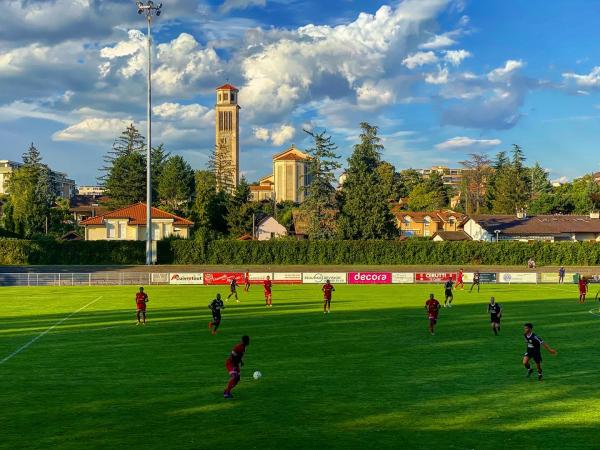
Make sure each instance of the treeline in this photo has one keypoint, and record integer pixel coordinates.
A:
(293, 252)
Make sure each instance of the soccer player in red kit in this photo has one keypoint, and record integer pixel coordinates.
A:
(327, 290)
(459, 280)
(267, 284)
(141, 298)
(583, 288)
(247, 281)
(234, 364)
(432, 306)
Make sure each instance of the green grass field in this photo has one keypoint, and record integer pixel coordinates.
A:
(367, 376)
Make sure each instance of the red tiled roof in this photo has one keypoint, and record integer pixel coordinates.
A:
(291, 154)
(136, 215)
(227, 87)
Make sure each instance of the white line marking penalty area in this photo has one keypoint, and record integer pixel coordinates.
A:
(43, 333)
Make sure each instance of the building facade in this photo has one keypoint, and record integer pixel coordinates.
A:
(93, 191)
(62, 185)
(129, 224)
(269, 228)
(227, 128)
(427, 224)
(450, 176)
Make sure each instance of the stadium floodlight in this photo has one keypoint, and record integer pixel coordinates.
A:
(149, 10)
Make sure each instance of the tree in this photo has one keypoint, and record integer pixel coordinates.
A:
(158, 159)
(319, 205)
(176, 185)
(366, 209)
(129, 141)
(241, 210)
(474, 182)
(391, 181)
(409, 179)
(125, 182)
(220, 164)
(540, 183)
(210, 205)
(31, 194)
(421, 198)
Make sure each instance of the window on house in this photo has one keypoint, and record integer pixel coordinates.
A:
(110, 230)
(427, 221)
(225, 96)
(232, 97)
(122, 230)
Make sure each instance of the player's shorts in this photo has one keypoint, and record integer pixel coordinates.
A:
(233, 289)
(582, 292)
(433, 319)
(233, 370)
(495, 320)
(267, 293)
(216, 317)
(449, 293)
(141, 308)
(327, 300)
(536, 356)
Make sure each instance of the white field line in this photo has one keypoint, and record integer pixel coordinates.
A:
(24, 346)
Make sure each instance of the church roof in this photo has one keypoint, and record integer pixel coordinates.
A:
(291, 154)
(227, 87)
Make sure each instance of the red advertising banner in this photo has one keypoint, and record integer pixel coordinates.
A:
(434, 277)
(369, 278)
(223, 278)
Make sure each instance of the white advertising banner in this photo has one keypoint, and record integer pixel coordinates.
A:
(403, 278)
(518, 278)
(287, 277)
(160, 277)
(260, 276)
(320, 278)
(186, 278)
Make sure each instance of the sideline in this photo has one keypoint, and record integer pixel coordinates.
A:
(23, 347)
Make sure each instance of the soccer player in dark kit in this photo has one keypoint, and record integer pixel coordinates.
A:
(448, 286)
(432, 306)
(534, 350)
(495, 311)
(215, 307)
(476, 278)
(233, 289)
(234, 364)
(141, 298)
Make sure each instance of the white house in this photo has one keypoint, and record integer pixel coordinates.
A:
(269, 228)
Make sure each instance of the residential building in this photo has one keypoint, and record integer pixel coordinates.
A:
(427, 224)
(269, 228)
(451, 236)
(227, 127)
(91, 190)
(85, 206)
(62, 186)
(521, 227)
(129, 223)
(263, 191)
(450, 176)
(289, 180)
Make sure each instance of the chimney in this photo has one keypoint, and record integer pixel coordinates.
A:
(595, 215)
(521, 214)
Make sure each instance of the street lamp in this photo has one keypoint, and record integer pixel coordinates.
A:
(149, 10)
(497, 233)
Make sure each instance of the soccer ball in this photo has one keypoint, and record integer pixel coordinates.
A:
(257, 375)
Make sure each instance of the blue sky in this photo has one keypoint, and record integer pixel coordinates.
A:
(441, 78)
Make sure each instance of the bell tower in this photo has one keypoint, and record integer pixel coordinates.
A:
(227, 131)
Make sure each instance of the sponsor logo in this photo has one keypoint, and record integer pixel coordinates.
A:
(186, 278)
(435, 277)
(403, 278)
(369, 278)
(319, 277)
(223, 278)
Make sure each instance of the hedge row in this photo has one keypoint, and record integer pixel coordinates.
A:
(380, 252)
(23, 252)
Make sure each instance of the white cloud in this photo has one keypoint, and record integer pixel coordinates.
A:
(282, 135)
(590, 80)
(440, 77)
(20, 109)
(419, 59)
(438, 41)
(374, 95)
(262, 134)
(504, 73)
(455, 57)
(185, 115)
(92, 130)
(462, 142)
(229, 5)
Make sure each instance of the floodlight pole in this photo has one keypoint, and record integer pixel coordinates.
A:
(149, 10)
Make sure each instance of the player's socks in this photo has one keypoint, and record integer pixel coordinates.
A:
(529, 372)
(540, 376)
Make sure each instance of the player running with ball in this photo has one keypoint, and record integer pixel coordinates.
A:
(534, 350)
(234, 364)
